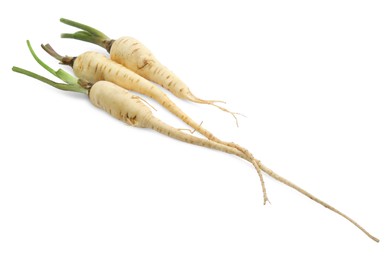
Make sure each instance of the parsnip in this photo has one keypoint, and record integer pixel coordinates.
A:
(129, 108)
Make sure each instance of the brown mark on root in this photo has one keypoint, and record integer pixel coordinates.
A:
(145, 63)
(132, 120)
(135, 50)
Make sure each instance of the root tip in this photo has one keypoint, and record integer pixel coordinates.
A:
(266, 201)
(375, 239)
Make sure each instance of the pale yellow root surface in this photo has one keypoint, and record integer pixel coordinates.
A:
(135, 56)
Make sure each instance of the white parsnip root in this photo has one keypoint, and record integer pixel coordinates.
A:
(132, 54)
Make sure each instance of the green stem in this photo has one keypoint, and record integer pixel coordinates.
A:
(61, 74)
(84, 27)
(89, 34)
(40, 62)
(62, 86)
(85, 37)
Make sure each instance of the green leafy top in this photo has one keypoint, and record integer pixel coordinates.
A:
(88, 34)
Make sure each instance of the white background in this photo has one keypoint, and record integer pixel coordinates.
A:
(313, 79)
